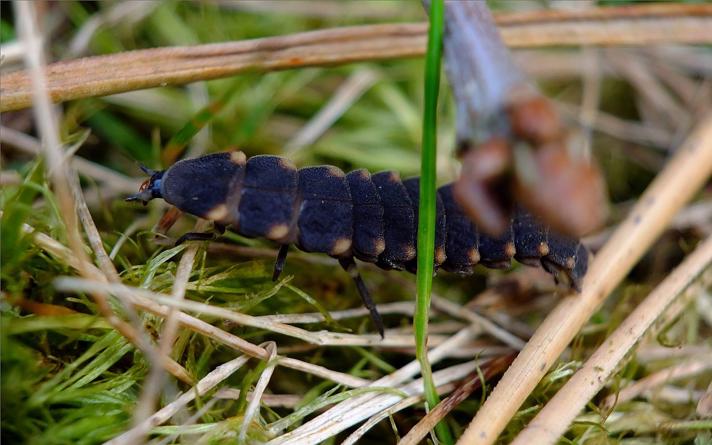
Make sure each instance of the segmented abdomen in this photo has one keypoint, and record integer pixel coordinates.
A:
(371, 217)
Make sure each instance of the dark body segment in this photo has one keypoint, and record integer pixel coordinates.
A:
(269, 200)
(368, 227)
(577, 274)
(399, 221)
(497, 252)
(530, 238)
(203, 186)
(562, 257)
(412, 185)
(462, 240)
(325, 222)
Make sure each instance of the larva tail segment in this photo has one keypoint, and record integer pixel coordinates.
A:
(349, 266)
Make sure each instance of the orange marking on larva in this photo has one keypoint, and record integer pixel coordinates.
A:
(543, 249)
(380, 246)
(510, 250)
(364, 173)
(286, 164)
(238, 158)
(277, 232)
(409, 251)
(440, 255)
(217, 213)
(341, 245)
(394, 177)
(570, 263)
(335, 171)
(474, 255)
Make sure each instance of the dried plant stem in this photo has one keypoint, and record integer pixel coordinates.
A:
(61, 177)
(153, 384)
(487, 326)
(559, 412)
(31, 145)
(210, 381)
(347, 93)
(134, 70)
(687, 369)
(356, 409)
(673, 187)
(398, 307)
(65, 255)
(253, 405)
(462, 392)
(324, 338)
(313, 433)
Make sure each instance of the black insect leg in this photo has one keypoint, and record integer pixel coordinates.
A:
(218, 229)
(196, 236)
(279, 264)
(349, 266)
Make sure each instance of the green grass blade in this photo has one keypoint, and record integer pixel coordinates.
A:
(426, 208)
(176, 146)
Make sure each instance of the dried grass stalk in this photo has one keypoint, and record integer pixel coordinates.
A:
(134, 70)
(673, 187)
(65, 255)
(70, 200)
(210, 381)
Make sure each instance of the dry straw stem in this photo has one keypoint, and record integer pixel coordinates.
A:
(153, 384)
(461, 392)
(686, 172)
(28, 144)
(139, 297)
(64, 183)
(65, 255)
(313, 432)
(210, 381)
(690, 368)
(356, 409)
(553, 420)
(134, 70)
(253, 406)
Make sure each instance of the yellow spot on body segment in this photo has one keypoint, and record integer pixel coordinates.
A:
(286, 164)
(570, 263)
(380, 246)
(474, 255)
(543, 249)
(341, 245)
(440, 255)
(409, 251)
(510, 250)
(364, 173)
(335, 171)
(217, 213)
(394, 177)
(238, 158)
(277, 232)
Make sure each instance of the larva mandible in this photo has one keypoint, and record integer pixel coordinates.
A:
(355, 215)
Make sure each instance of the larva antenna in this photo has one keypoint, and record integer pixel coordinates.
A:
(148, 171)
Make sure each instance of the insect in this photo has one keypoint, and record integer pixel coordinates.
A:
(373, 218)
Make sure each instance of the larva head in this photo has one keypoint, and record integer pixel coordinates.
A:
(199, 186)
(151, 187)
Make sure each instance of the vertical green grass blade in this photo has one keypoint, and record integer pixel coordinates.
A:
(426, 209)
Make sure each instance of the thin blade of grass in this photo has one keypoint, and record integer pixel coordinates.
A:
(426, 209)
